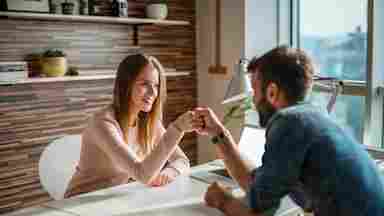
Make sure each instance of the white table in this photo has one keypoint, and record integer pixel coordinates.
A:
(185, 196)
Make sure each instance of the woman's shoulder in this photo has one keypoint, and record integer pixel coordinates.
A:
(103, 116)
(101, 123)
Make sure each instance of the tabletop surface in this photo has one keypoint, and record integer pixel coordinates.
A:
(184, 196)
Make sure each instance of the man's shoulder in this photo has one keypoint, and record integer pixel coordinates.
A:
(300, 109)
(297, 116)
(296, 112)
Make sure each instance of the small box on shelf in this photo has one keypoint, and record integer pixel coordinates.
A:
(13, 71)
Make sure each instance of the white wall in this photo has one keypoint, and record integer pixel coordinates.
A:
(248, 28)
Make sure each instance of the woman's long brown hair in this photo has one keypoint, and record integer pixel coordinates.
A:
(127, 73)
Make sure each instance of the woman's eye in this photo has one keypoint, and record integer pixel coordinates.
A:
(149, 85)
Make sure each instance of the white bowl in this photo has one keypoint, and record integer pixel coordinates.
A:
(157, 11)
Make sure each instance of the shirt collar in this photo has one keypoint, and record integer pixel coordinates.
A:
(276, 115)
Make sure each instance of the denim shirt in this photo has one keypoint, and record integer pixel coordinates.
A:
(306, 149)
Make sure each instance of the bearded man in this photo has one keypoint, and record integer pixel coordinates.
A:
(304, 147)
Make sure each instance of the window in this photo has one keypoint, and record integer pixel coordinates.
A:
(345, 39)
(334, 34)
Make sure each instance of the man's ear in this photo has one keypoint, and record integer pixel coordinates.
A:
(273, 93)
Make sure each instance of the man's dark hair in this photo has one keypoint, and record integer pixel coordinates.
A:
(290, 69)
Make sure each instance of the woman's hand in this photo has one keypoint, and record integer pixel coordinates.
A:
(189, 122)
(211, 123)
(165, 177)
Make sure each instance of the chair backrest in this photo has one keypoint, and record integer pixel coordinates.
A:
(58, 163)
(251, 144)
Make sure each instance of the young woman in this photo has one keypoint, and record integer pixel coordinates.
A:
(127, 141)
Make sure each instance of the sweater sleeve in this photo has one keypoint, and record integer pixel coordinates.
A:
(284, 156)
(107, 136)
(178, 160)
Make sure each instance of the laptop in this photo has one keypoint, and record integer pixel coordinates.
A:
(251, 146)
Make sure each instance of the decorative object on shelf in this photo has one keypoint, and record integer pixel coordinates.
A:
(91, 19)
(52, 7)
(91, 7)
(83, 7)
(72, 71)
(13, 71)
(157, 9)
(61, 5)
(54, 63)
(37, 6)
(97, 7)
(120, 8)
(34, 64)
(98, 10)
(115, 7)
(67, 7)
(123, 9)
(3, 5)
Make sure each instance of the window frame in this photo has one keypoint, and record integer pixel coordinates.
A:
(373, 126)
(373, 88)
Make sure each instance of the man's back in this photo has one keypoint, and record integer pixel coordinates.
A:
(336, 172)
(339, 171)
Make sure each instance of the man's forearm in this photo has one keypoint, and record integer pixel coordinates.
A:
(236, 166)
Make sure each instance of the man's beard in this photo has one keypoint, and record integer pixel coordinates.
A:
(265, 110)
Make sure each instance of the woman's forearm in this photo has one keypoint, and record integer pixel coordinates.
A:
(151, 166)
(108, 139)
(179, 161)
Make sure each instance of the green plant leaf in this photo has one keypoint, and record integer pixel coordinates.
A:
(238, 110)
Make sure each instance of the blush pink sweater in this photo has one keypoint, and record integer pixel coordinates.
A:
(107, 160)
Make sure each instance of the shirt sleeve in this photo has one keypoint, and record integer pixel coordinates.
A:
(106, 136)
(285, 151)
(178, 160)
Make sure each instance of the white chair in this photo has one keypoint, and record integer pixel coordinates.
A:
(58, 163)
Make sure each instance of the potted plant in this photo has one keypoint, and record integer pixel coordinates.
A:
(157, 9)
(67, 7)
(72, 71)
(54, 63)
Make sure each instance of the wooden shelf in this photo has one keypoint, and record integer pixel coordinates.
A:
(79, 78)
(96, 19)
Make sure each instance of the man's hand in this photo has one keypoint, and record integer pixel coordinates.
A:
(165, 177)
(212, 125)
(188, 122)
(216, 196)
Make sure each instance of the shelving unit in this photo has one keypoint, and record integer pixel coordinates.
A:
(36, 111)
(96, 19)
(136, 22)
(78, 78)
